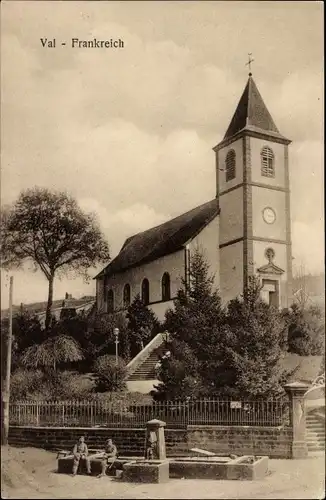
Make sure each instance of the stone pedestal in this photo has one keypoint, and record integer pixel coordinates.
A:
(155, 440)
(296, 392)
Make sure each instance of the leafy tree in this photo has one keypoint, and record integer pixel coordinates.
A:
(50, 230)
(26, 331)
(234, 352)
(142, 325)
(55, 350)
(197, 311)
(100, 335)
(253, 347)
(195, 323)
(306, 330)
(179, 374)
(108, 375)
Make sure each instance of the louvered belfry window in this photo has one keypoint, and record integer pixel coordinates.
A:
(267, 162)
(230, 165)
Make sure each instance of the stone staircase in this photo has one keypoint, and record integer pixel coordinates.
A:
(142, 366)
(315, 432)
(146, 370)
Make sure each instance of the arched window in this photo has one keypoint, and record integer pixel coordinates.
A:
(267, 162)
(126, 295)
(145, 291)
(110, 301)
(230, 165)
(166, 288)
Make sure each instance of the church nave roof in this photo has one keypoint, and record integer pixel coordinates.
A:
(162, 240)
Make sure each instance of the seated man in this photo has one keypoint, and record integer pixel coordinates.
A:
(109, 456)
(80, 452)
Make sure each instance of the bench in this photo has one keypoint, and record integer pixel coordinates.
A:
(65, 464)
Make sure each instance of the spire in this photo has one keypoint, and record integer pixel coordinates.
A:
(251, 113)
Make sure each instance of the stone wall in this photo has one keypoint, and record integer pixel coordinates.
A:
(271, 441)
(130, 442)
(241, 440)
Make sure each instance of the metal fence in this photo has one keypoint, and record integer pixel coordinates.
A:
(177, 414)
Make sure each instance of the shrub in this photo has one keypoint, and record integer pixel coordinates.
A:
(49, 385)
(108, 375)
(24, 383)
(65, 385)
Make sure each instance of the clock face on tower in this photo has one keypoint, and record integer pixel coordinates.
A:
(269, 215)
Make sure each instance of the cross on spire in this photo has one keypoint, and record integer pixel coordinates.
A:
(250, 60)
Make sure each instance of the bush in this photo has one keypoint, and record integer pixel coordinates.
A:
(108, 375)
(120, 400)
(65, 385)
(49, 385)
(24, 383)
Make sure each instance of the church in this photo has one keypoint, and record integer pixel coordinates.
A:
(244, 231)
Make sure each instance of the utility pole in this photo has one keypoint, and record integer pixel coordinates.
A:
(6, 392)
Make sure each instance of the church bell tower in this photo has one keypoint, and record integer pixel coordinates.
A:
(253, 192)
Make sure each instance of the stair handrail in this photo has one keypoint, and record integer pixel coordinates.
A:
(145, 353)
(320, 415)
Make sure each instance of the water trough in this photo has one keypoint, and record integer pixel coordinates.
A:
(154, 467)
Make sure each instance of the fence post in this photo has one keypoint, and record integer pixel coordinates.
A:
(92, 423)
(187, 412)
(37, 414)
(296, 392)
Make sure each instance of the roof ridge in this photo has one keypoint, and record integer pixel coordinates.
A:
(168, 220)
(163, 239)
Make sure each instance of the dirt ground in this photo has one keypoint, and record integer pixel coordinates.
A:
(31, 473)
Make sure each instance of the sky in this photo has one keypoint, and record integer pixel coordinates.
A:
(129, 132)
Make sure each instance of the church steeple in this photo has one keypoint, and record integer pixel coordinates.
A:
(253, 193)
(252, 114)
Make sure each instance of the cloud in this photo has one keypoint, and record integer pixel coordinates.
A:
(299, 105)
(119, 225)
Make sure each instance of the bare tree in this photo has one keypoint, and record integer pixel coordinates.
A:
(49, 229)
(301, 293)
